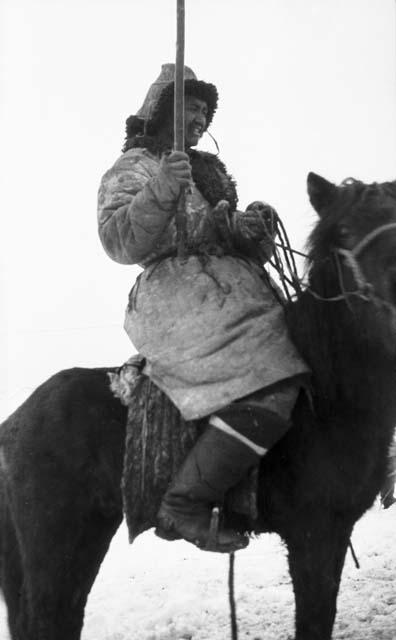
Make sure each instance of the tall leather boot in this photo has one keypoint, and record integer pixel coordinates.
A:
(217, 462)
(222, 456)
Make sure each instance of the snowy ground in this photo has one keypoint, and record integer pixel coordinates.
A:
(155, 590)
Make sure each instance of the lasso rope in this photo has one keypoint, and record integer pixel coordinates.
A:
(282, 259)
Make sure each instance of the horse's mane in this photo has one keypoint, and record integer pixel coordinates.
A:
(327, 333)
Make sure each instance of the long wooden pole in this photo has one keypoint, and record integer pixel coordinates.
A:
(181, 227)
(179, 79)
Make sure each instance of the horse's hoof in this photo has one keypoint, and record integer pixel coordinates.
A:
(388, 502)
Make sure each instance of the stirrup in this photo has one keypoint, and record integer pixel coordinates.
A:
(212, 542)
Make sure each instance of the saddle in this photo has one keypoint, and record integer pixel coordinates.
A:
(157, 441)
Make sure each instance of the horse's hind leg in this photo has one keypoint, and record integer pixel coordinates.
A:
(11, 572)
(84, 566)
(317, 547)
(56, 590)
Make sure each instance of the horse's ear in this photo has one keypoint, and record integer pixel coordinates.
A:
(321, 192)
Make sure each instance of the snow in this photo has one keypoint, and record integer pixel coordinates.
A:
(156, 590)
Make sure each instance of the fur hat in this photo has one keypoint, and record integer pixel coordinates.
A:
(160, 97)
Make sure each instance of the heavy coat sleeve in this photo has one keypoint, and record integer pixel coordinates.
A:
(134, 208)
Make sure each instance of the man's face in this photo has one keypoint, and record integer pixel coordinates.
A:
(195, 114)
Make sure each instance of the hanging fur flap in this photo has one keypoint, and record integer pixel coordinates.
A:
(124, 381)
(157, 441)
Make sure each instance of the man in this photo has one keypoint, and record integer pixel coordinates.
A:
(210, 327)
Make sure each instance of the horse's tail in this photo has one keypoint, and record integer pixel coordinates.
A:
(2, 510)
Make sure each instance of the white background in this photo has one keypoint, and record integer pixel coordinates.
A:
(306, 85)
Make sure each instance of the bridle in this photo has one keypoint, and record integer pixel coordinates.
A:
(364, 289)
(284, 265)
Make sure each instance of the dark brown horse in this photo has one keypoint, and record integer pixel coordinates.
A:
(61, 452)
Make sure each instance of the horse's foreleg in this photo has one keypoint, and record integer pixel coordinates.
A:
(317, 546)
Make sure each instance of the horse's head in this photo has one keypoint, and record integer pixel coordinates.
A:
(353, 247)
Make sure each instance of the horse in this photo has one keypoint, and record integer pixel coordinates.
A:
(61, 451)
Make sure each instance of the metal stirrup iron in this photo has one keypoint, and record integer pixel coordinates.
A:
(213, 537)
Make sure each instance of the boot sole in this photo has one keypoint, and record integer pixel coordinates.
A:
(171, 536)
(231, 548)
(167, 534)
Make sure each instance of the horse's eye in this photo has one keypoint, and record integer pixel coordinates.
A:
(346, 237)
(344, 232)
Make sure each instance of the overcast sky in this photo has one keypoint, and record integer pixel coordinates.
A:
(308, 85)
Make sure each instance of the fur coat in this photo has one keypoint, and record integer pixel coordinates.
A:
(210, 327)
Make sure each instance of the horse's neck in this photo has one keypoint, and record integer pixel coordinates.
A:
(347, 368)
